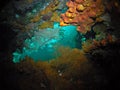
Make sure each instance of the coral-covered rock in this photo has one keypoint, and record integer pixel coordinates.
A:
(80, 7)
(82, 13)
(79, 1)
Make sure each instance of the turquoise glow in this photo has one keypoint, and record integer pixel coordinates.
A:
(43, 45)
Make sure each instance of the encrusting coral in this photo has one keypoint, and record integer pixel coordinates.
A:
(82, 13)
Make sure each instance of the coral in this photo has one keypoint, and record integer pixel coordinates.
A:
(46, 24)
(82, 14)
(47, 16)
(49, 9)
(80, 7)
(95, 43)
(68, 65)
(67, 72)
(87, 46)
(72, 68)
(36, 18)
(49, 19)
(55, 17)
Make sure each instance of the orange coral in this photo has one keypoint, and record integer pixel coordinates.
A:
(81, 12)
(79, 1)
(80, 7)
